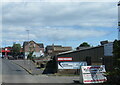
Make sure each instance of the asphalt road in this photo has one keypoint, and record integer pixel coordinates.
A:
(12, 73)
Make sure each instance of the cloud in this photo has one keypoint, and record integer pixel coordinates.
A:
(50, 14)
(58, 21)
(52, 33)
(61, 1)
(57, 34)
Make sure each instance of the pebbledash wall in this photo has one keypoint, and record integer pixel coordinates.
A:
(100, 55)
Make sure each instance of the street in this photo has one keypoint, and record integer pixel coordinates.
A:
(12, 73)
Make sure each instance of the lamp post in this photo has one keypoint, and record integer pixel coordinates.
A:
(28, 40)
(28, 34)
(29, 48)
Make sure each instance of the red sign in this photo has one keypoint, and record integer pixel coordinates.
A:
(65, 59)
(5, 50)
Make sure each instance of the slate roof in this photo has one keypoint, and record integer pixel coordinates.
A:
(39, 44)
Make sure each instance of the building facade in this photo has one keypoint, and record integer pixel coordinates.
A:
(53, 50)
(37, 48)
(99, 55)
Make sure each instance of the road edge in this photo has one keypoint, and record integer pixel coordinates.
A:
(23, 68)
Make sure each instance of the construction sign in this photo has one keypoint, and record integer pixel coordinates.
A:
(92, 74)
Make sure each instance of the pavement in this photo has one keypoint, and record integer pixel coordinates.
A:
(29, 66)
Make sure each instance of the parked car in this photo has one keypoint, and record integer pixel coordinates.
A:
(20, 57)
(10, 57)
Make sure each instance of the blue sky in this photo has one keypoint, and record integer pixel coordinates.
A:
(65, 23)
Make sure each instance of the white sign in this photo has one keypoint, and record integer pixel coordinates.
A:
(108, 49)
(91, 69)
(92, 74)
(65, 59)
(71, 65)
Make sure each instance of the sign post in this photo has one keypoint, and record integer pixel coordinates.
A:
(92, 74)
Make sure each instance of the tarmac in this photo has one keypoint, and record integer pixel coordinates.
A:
(29, 66)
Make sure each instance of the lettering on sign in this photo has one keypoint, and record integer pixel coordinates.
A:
(71, 65)
(65, 59)
(92, 74)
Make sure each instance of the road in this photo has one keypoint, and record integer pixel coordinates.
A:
(12, 73)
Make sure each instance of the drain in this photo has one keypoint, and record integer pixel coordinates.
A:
(18, 70)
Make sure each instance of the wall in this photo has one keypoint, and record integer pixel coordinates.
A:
(96, 54)
(92, 56)
(33, 47)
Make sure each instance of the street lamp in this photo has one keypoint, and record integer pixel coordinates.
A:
(28, 47)
(28, 34)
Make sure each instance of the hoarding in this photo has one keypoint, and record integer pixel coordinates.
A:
(92, 74)
(71, 65)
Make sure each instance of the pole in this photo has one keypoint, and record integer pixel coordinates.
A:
(29, 49)
(28, 34)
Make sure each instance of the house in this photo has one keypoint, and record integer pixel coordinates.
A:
(37, 48)
(52, 50)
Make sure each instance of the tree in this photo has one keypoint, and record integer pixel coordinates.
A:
(116, 53)
(84, 44)
(16, 49)
(114, 75)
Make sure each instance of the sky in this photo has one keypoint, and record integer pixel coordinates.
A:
(63, 23)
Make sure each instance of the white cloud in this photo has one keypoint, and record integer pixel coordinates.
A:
(68, 34)
(18, 17)
(42, 14)
(52, 33)
(61, 1)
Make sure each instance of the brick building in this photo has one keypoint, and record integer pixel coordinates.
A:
(53, 50)
(30, 46)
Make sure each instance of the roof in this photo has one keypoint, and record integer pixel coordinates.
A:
(62, 48)
(82, 48)
(39, 44)
(73, 51)
(50, 47)
(54, 45)
(58, 48)
(25, 43)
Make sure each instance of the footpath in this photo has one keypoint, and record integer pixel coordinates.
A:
(29, 66)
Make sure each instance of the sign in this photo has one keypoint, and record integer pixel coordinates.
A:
(92, 74)
(108, 49)
(65, 59)
(71, 65)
